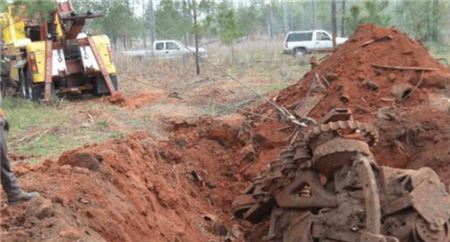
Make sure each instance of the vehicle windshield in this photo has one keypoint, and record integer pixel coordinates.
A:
(299, 37)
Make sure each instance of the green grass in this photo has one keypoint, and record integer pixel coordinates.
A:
(46, 131)
(114, 135)
(103, 124)
(24, 114)
(440, 51)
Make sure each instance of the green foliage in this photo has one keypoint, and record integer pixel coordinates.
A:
(426, 20)
(103, 124)
(118, 21)
(228, 21)
(37, 9)
(224, 24)
(249, 16)
(368, 12)
(169, 17)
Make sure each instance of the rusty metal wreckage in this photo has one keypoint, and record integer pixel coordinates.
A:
(327, 186)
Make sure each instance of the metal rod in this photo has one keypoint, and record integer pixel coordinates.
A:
(370, 191)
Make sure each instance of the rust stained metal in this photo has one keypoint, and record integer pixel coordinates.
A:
(102, 66)
(289, 196)
(48, 70)
(370, 191)
(307, 105)
(349, 201)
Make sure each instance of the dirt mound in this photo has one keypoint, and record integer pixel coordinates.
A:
(135, 189)
(387, 79)
(356, 79)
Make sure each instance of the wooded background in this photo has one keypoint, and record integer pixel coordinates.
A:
(131, 23)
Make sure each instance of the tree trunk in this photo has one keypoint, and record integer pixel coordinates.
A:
(186, 21)
(343, 19)
(285, 18)
(115, 41)
(152, 24)
(334, 21)
(271, 21)
(197, 64)
(314, 14)
(435, 23)
(232, 51)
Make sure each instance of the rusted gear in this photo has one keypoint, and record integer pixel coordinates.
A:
(335, 153)
(346, 129)
(327, 186)
(242, 204)
(430, 233)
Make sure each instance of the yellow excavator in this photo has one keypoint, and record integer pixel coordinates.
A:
(56, 56)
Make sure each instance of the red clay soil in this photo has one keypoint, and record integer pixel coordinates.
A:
(140, 189)
(140, 99)
(414, 132)
(135, 189)
(135, 101)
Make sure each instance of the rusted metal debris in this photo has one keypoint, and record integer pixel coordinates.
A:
(327, 186)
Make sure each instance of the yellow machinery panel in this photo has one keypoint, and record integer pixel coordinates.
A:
(104, 47)
(38, 48)
(13, 30)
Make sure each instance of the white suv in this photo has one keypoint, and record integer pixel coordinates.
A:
(300, 43)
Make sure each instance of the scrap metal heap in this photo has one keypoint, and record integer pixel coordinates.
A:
(327, 186)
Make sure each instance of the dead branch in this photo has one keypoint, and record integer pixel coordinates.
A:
(405, 68)
(387, 37)
(411, 92)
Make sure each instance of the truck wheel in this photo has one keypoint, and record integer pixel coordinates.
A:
(100, 87)
(299, 52)
(36, 92)
(23, 85)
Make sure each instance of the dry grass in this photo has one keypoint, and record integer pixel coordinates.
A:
(53, 129)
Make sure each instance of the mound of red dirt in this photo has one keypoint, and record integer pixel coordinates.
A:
(387, 79)
(134, 189)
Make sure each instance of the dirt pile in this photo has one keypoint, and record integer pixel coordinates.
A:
(387, 79)
(135, 189)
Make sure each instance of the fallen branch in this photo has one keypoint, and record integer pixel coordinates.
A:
(246, 167)
(327, 83)
(406, 68)
(418, 84)
(40, 136)
(387, 37)
(319, 82)
(27, 137)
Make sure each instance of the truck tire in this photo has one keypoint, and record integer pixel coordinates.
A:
(36, 92)
(23, 84)
(100, 87)
(300, 52)
(29, 90)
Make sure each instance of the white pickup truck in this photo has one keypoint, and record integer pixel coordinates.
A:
(300, 43)
(165, 49)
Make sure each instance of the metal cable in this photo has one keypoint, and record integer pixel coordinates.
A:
(205, 100)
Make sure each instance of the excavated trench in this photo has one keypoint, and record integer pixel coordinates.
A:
(136, 188)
